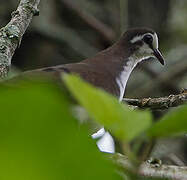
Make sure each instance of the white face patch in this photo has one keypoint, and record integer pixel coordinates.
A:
(145, 51)
(155, 41)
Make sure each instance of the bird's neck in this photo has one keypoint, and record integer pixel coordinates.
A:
(124, 73)
(119, 63)
(121, 72)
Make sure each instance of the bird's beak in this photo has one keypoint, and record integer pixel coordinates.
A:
(159, 56)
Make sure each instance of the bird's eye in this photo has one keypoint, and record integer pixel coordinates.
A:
(148, 39)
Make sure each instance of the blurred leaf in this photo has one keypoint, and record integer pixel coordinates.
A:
(40, 140)
(124, 123)
(173, 123)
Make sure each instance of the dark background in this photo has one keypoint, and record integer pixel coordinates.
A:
(71, 30)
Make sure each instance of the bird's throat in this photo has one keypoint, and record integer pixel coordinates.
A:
(123, 75)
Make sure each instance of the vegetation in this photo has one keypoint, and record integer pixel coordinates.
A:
(42, 139)
(43, 135)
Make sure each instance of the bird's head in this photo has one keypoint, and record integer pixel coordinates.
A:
(142, 43)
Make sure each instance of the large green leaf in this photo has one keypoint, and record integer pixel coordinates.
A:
(40, 140)
(173, 123)
(124, 123)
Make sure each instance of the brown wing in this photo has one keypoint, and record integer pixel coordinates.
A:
(95, 75)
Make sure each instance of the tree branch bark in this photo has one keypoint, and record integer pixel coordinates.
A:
(11, 34)
(153, 170)
(159, 103)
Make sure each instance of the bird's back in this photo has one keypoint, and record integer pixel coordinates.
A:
(88, 72)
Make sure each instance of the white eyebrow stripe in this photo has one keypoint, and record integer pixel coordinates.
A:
(155, 41)
(140, 37)
(136, 38)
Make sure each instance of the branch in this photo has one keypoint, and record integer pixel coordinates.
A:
(11, 34)
(51, 29)
(152, 170)
(64, 34)
(105, 31)
(167, 85)
(159, 103)
(173, 73)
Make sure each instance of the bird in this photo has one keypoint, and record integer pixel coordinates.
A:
(110, 68)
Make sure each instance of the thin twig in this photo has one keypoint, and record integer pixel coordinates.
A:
(100, 27)
(123, 15)
(48, 26)
(153, 170)
(159, 103)
(11, 34)
(173, 73)
(169, 85)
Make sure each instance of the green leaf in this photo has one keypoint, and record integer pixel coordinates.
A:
(173, 123)
(124, 123)
(40, 139)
